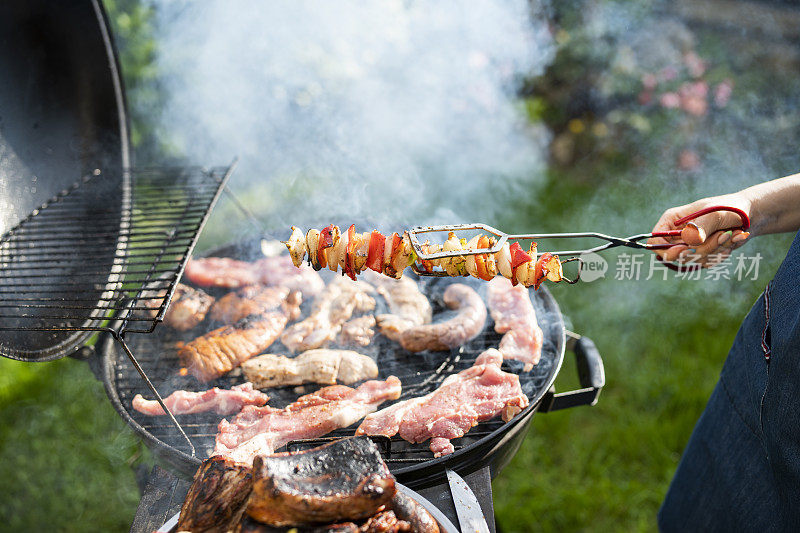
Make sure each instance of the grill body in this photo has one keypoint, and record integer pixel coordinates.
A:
(490, 443)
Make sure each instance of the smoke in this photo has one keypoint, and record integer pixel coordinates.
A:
(397, 112)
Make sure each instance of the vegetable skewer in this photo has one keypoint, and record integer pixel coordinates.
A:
(392, 254)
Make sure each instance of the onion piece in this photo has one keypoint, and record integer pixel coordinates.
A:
(297, 246)
(312, 245)
(469, 260)
(503, 259)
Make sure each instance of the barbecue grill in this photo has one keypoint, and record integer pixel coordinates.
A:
(90, 244)
(493, 442)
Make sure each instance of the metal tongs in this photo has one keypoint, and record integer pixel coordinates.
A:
(612, 242)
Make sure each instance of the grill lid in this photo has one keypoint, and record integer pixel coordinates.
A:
(63, 136)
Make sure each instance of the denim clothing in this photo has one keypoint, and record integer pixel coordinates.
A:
(741, 468)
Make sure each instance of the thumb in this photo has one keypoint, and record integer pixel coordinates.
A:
(697, 231)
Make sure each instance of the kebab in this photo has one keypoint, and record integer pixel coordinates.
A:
(390, 255)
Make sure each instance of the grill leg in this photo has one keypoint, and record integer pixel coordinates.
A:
(153, 390)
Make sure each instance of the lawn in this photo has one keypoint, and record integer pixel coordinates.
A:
(617, 159)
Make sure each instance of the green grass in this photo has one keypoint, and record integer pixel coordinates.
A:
(65, 454)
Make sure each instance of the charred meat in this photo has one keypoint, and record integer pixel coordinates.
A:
(314, 366)
(217, 498)
(262, 430)
(464, 326)
(188, 308)
(220, 351)
(220, 401)
(332, 308)
(408, 510)
(474, 395)
(513, 314)
(255, 300)
(342, 480)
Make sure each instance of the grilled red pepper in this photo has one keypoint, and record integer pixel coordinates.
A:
(377, 246)
(349, 259)
(541, 269)
(480, 259)
(518, 257)
(325, 241)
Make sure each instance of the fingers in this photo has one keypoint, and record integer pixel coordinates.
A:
(714, 250)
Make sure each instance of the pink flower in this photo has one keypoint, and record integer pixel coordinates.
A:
(667, 73)
(649, 81)
(645, 97)
(694, 64)
(722, 93)
(697, 89)
(670, 100)
(688, 160)
(694, 105)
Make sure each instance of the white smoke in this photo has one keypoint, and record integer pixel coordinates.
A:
(399, 112)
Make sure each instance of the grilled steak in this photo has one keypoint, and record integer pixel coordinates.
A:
(342, 480)
(408, 307)
(220, 401)
(262, 430)
(513, 314)
(314, 366)
(408, 510)
(474, 395)
(217, 498)
(332, 308)
(220, 351)
(465, 326)
(255, 300)
(231, 273)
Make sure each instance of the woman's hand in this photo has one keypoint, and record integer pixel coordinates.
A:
(710, 238)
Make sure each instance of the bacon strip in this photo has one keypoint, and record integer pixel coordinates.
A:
(513, 314)
(474, 395)
(262, 430)
(220, 401)
(232, 273)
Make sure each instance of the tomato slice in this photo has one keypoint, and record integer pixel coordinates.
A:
(377, 244)
(518, 257)
(325, 241)
(349, 263)
(541, 270)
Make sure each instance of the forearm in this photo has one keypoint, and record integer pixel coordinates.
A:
(774, 205)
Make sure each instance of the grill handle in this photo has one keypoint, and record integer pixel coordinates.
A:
(591, 375)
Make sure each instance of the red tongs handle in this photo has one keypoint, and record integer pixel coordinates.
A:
(681, 221)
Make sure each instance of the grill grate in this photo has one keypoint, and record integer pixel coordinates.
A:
(74, 262)
(419, 373)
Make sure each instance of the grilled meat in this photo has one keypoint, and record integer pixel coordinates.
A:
(465, 326)
(220, 351)
(408, 510)
(217, 498)
(474, 395)
(262, 430)
(356, 252)
(249, 525)
(342, 480)
(385, 522)
(255, 300)
(232, 273)
(220, 401)
(513, 314)
(357, 331)
(314, 366)
(331, 309)
(408, 307)
(188, 308)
